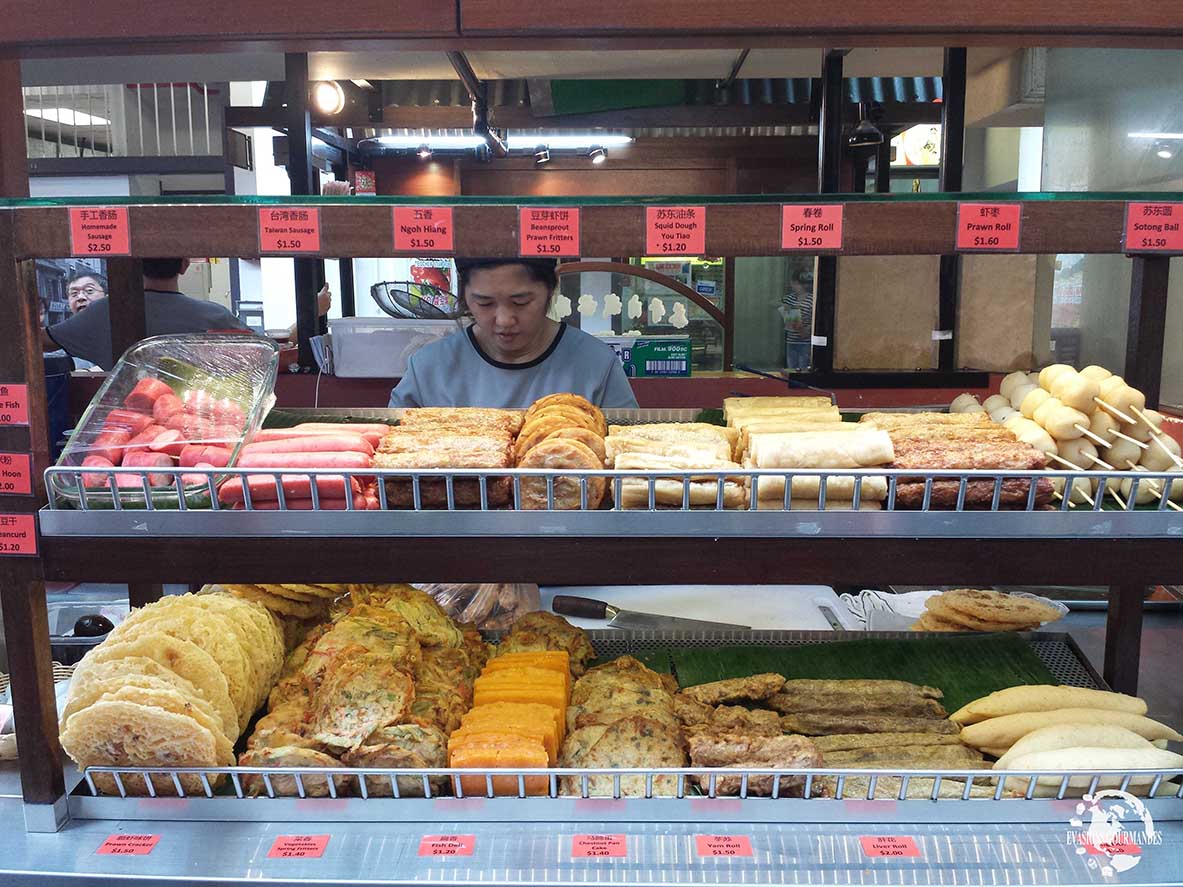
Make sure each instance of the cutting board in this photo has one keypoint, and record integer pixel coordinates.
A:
(798, 607)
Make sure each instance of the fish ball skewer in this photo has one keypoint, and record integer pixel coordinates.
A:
(1079, 453)
(1066, 423)
(1097, 373)
(1049, 374)
(1035, 398)
(1011, 382)
(1163, 456)
(1045, 409)
(1077, 392)
(1019, 392)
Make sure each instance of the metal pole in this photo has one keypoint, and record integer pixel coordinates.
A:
(952, 151)
(883, 166)
(301, 174)
(829, 181)
(1147, 325)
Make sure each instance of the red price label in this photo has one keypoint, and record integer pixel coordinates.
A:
(18, 535)
(423, 229)
(548, 231)
(604, 846)
(99, 231)
(289, 229)
(989, 227)
(1119, 846)
(447, 845)
(723, 845)
(14, 404)
(365, 182)
(128, 845)
(1153, 228)
(811, 227)
(16, 474)
(889, 845)
(298, 847)
(675, 230)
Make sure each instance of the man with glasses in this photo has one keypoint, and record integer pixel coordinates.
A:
(85, 288)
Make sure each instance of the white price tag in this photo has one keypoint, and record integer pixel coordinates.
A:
(819, 341)
(942, 335)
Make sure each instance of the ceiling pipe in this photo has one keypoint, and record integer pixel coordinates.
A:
(478, 92)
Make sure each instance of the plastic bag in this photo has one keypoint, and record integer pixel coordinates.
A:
(489, 606)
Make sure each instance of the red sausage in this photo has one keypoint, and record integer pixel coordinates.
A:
(227, 412)
(96, 480)
(326, 443)
(169, 441)
(297, 486)
(141, 442)
(144, 396)
(356, 427)
(167, 405)
(335, 504)
(151, 460)
(195, 454)
(110, 445)
(190, 480)
(304, 460)
(373, 438)
(126, 420)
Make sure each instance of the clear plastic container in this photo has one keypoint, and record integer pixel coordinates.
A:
(171, 401)
(379, 347)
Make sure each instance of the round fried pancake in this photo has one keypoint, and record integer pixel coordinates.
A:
(994, 606)
(183, 657)
(561, 453)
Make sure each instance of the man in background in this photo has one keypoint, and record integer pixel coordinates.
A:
(167, 311)
(85, 288)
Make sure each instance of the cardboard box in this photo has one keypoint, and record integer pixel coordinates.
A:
(649, 356)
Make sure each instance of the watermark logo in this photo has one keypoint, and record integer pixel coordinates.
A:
(1112, 827)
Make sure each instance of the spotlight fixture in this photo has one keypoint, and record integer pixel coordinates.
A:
(597, 154)
(1164, 150)
(865, 135)
(424, 151)
(542, 155)
(328, 96)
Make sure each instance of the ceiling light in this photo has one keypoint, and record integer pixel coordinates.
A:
(328, 96)
(424, 151)
(67, 117)
(1174, 136)
(438, 143)
(542, 155)
(598, 154)
(1163, 150)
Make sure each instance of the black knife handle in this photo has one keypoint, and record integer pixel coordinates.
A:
(579, 607)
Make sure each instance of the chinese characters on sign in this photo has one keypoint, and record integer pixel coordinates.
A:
(447, 845)
(14, 404)
(289, 229)
(99, 231)
(1153, 228)
(877, 846)
(423, 229)
(596, 846)
(128, 845)
(548, 231)
(298, 847)
(811, 228)
(989, 227)
(18, 535)
(723, 845)
(675, 230)
(16, 474)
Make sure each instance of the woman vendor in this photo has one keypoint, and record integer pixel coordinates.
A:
(512, 353)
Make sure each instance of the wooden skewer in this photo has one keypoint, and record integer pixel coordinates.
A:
(1101, 462)
(1069, 465)
(1113, 493)
(1157, 429)
(1154, 487)
(1140, 444)
(1162, 446)
(1079, 491)
(1114, 411)
(1095, 438)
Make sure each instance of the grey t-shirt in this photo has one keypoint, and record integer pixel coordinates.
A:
(88, 333)
(455, 372)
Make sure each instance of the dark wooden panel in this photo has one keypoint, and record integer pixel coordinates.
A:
(486, 230)
(608, 230)
(344, 229)
(80, 23)
(1123, 637)
(1011, 19)
(743, 230)
(14, 174)
(632, 560)
(1072, 227)
(912, 228)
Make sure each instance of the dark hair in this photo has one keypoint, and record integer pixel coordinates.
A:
(100, 279)
(543, 271)
(162, 269)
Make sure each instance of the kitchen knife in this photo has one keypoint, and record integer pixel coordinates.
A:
(587, 608)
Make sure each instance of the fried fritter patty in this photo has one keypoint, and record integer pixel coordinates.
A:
(750, 689)
(737, 749)
(810, 724)
(545, 631)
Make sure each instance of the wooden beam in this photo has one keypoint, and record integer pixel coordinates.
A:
(858, 21)
(364, 228)
(14, 174)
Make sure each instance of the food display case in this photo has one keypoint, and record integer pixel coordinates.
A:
(696, 834)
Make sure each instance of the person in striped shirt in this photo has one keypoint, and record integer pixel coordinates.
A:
(796, 308)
